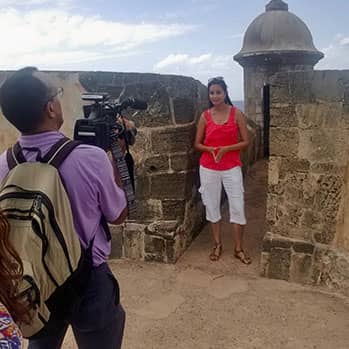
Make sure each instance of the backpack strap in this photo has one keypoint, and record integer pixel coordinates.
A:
(14, 156)
(59, 152)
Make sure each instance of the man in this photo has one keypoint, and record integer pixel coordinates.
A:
(31, 102)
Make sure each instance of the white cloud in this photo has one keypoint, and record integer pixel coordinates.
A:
(48, 37)
(175, 59)
(336, 54)
(203, 67)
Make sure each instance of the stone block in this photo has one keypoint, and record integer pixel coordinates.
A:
(134, 240)
(279, 265)
(331, 268)
(323, 145)
(328, 198)
(301, 268)
(173, 209)
(184, 110)
(283, 115)
(293, 164)
(299, 189)
(303, 247)
(173, 249)
(163, 229)
(284, 141)
(325, 234)
(172, 139)
(273, 170)
(327, 168)
(184, 161)
(148, 210)
(155, 164)
(320, 116)
(116, 241)
(265, 260)
(170, 186)
(154, 244)
(143, 187)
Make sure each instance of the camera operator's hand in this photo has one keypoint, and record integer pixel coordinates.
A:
(130, 125)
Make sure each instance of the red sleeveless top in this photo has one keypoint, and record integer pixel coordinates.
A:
(219, 136)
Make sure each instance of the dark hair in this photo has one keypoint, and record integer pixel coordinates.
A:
(218, 81)
(23, 98)
(11, 272)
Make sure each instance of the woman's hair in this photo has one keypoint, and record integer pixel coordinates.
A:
(11, 272)
(218, 81)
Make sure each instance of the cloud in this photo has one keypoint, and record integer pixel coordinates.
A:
(175, 59)
(203, 67)
(49, 37)
(336, 54)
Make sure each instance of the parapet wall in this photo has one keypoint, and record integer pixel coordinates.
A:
(169, 207)
(170, 211)
(308, 190)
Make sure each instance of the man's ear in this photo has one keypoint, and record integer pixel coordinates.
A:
(49, 109)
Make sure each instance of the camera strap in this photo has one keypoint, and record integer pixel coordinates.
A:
(125, 166)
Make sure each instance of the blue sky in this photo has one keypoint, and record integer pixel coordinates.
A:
(187, 37)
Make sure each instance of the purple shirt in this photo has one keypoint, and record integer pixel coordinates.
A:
(89, 180)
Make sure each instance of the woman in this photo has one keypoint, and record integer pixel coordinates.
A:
(221, 134)
(11, 270)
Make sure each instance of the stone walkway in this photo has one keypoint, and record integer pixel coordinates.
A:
(197, 304)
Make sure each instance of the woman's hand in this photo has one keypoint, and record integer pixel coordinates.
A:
(220, 151)
(213, 151)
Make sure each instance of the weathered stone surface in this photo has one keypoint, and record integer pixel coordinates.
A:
(283, 115)
(324, 145)
(172, 139)
(169, 186)
(265, 261)
(331, 268)
(142, 187)
(327, 168)
(154, 245)
(148, 210)
(116, 241)
(280, 260)
(184, 110)
(284, 141)
(156, 164)
(173, 209)
(173, 249)
(320, 116)
(164, 229)
(184, 161)
(134, 240)
(274, 170)
(301, 268)
(290, 164)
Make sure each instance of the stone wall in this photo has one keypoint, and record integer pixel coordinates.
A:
(170, 212)
(308, 190)
(258, 72)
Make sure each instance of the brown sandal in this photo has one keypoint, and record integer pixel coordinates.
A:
(216, 252)
(242, 257)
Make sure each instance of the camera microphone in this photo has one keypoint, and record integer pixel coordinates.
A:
(135, 103)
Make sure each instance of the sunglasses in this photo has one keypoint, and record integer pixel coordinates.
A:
(59, 93)
(216, 78)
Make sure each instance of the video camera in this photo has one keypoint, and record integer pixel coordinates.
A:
(103, 125)
(103, 121)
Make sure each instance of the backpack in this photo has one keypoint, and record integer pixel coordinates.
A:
(56, 267)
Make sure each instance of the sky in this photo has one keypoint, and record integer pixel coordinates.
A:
(195, 38)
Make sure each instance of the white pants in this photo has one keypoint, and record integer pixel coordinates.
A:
(211, 190)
